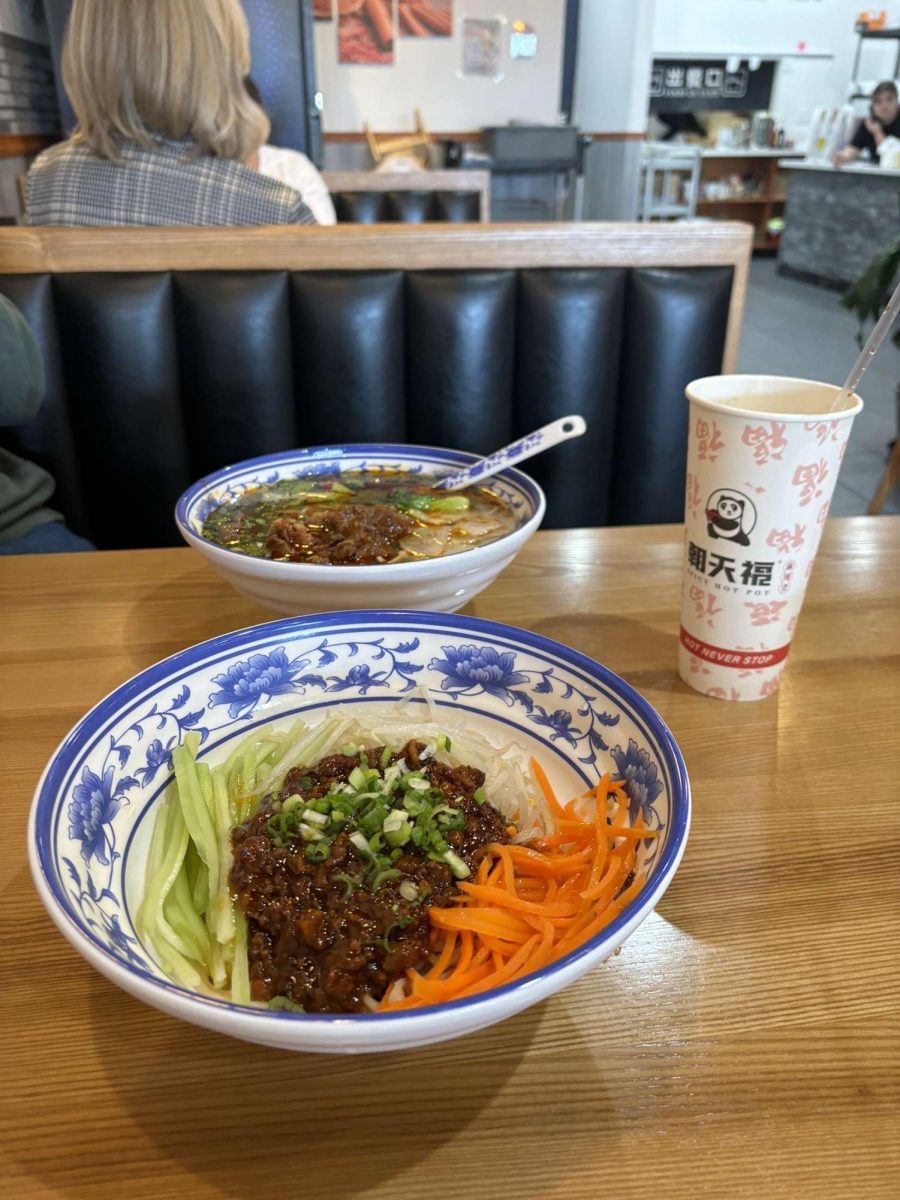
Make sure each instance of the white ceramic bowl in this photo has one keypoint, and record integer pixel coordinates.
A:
(92, 812)
(438, 585)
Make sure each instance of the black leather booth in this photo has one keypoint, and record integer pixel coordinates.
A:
(156, 377)
(412, 208)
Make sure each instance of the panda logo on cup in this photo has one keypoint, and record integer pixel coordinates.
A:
(730, 515)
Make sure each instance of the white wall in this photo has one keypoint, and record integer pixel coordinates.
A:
(612, 79)
(612, 84)
(425, 76)
(814, 40)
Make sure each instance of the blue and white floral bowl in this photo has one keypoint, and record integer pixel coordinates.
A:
(92, 812)
(436, 584)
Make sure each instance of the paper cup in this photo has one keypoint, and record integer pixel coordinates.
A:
(763, 456)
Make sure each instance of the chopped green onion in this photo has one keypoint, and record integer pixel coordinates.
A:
(357, 778)
(456, 865)
(317, 851)
(398, 837)
(480, 795)
(385, 757)
(350, 882)
(384, 876)
(409, 890)
(443, 742)
(361, 843)
(314, 818)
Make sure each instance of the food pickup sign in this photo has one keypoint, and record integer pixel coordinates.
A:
(680, 85)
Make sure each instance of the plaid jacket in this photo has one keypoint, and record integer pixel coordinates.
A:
(70, 185)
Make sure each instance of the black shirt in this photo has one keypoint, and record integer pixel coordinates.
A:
(863, 140)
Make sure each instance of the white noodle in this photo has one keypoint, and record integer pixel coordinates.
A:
(508, 780)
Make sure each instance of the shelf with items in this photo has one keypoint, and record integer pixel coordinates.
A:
(864, 34)
(763, 199)
(872, 35)
(750, 198)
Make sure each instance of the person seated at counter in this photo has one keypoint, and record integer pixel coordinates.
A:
(882, 122)
(166, 129)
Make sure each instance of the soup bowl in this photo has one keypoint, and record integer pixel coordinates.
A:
(90, 823)
(436, 584)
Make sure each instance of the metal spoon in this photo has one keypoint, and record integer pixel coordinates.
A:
(524, 447)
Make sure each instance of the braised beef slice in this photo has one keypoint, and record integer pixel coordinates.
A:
(347, 534)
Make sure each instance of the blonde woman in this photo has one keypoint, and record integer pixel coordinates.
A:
(165, 125)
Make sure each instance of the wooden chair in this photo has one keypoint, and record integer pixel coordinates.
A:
(416, 143)
(890, 479)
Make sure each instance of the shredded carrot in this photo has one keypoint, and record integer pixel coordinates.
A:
(549, 795)
(527, 905)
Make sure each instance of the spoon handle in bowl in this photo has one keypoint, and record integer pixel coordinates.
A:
(525, 447)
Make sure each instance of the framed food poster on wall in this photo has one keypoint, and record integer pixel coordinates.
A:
(482, 48)
(425, 18)
(366, 31)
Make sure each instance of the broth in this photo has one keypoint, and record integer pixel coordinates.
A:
(358, 518)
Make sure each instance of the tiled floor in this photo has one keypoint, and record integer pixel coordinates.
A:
(795, 328)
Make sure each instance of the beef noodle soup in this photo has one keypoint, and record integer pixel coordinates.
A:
(358, 518)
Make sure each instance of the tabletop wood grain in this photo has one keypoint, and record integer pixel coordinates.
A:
(745, 1043)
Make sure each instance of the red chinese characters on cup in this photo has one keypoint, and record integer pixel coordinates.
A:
(709, 440)
(706, 606)
(784, 541)
(809, 478)
(765, 613)
(765, 442)
(692, 493)
(823, 430)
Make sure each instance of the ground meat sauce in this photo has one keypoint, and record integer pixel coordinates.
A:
(324, 943)
(350, 534)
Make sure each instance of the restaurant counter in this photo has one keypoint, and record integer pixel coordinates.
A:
(837, 220)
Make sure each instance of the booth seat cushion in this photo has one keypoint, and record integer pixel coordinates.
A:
(409, 207)
(154, 379)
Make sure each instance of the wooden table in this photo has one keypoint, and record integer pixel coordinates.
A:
(745, 1042)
